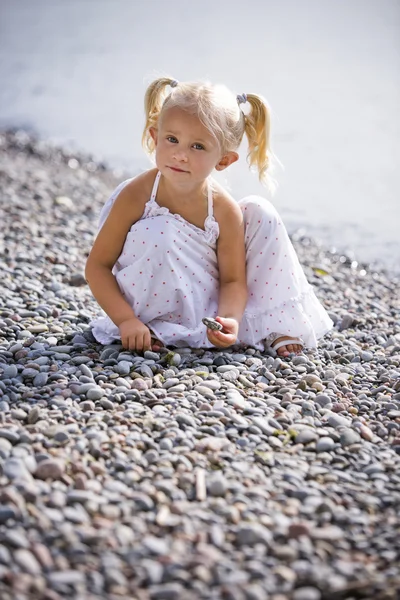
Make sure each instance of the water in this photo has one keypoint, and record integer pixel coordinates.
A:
(76, 72)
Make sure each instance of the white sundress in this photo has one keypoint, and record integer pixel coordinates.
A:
(168, 272)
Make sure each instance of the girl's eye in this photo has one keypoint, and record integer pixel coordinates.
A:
(172, 139)
(198, 146)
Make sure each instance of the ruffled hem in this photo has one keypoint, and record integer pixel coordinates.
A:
(106, 332)
(300, 317)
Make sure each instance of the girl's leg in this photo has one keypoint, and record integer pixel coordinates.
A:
(281, 303)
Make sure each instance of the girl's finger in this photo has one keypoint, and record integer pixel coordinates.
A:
(228, 325)
(218, 338)
(147, 341)
(140, 342)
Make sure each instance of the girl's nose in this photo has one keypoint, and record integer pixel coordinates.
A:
(180, 155)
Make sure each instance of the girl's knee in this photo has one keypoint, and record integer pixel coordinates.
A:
(260, 210)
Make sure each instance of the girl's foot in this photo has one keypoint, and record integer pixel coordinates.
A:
(292, 345)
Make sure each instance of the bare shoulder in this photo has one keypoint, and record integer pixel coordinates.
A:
(126, 210)
(136, 193)
(227, 211)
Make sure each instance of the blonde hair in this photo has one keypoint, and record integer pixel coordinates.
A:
(219, 111)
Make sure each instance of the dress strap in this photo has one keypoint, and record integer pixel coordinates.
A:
(155, 186)
(210, 200)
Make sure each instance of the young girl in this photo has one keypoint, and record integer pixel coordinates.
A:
(175, 247)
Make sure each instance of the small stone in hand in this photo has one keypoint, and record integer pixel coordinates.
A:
(212, 324)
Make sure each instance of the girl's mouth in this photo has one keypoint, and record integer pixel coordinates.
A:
(178, 170)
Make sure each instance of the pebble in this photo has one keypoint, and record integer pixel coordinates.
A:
(27, 561)
(94, 393)
(323, 400)
(123, 367)
(166, 591)
(7, 512)
(306, 436)
(67, 577)
(306, 593)
(253, 533)
(5, 447)
(329, 533)
(49, 469)
(10, 372)
(10, 435)
(15, 468)
(338, 421)
(217, 486)
(348, 437)
(106, 404)
(40, 380)
(325, 444)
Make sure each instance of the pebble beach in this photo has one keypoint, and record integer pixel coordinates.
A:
(190, 474)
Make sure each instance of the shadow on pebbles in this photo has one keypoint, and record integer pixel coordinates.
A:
(190, 474)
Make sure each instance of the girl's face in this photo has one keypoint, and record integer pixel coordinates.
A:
(186, 152)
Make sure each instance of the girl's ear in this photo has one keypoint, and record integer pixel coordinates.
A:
(154, 134)
(228, 159)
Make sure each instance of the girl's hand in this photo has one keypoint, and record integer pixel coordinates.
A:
(227, 336)
(135, 335)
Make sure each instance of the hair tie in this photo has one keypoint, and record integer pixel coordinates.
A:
(173, 83)
(241, 98)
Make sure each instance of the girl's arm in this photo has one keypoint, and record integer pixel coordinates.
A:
(126, 210)
(231, 255)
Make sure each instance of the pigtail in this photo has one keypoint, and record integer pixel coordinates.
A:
(257, 129)
(153, 101)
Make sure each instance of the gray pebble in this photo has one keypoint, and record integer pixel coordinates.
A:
(10, 372)
(166, 444)
(26, 560)
(145, 371)
(7, 512)
(106, 404)
(323, 400)
(29, 373)
(40, 380)
(15, 468)
(217, 486)
(185, 420)
(305, 436)
(95, 393)
(84, 369)
(167, 591)
(123, 367)
(61, 437)
(338, 421)
(5, 447)
(67, 577)
(325, 444)
(306, 593)
(348, 437)
(16, 538)
(253, 533)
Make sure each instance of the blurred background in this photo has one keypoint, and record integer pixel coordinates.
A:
(76, 71)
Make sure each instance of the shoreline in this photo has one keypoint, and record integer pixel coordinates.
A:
(202, 474)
